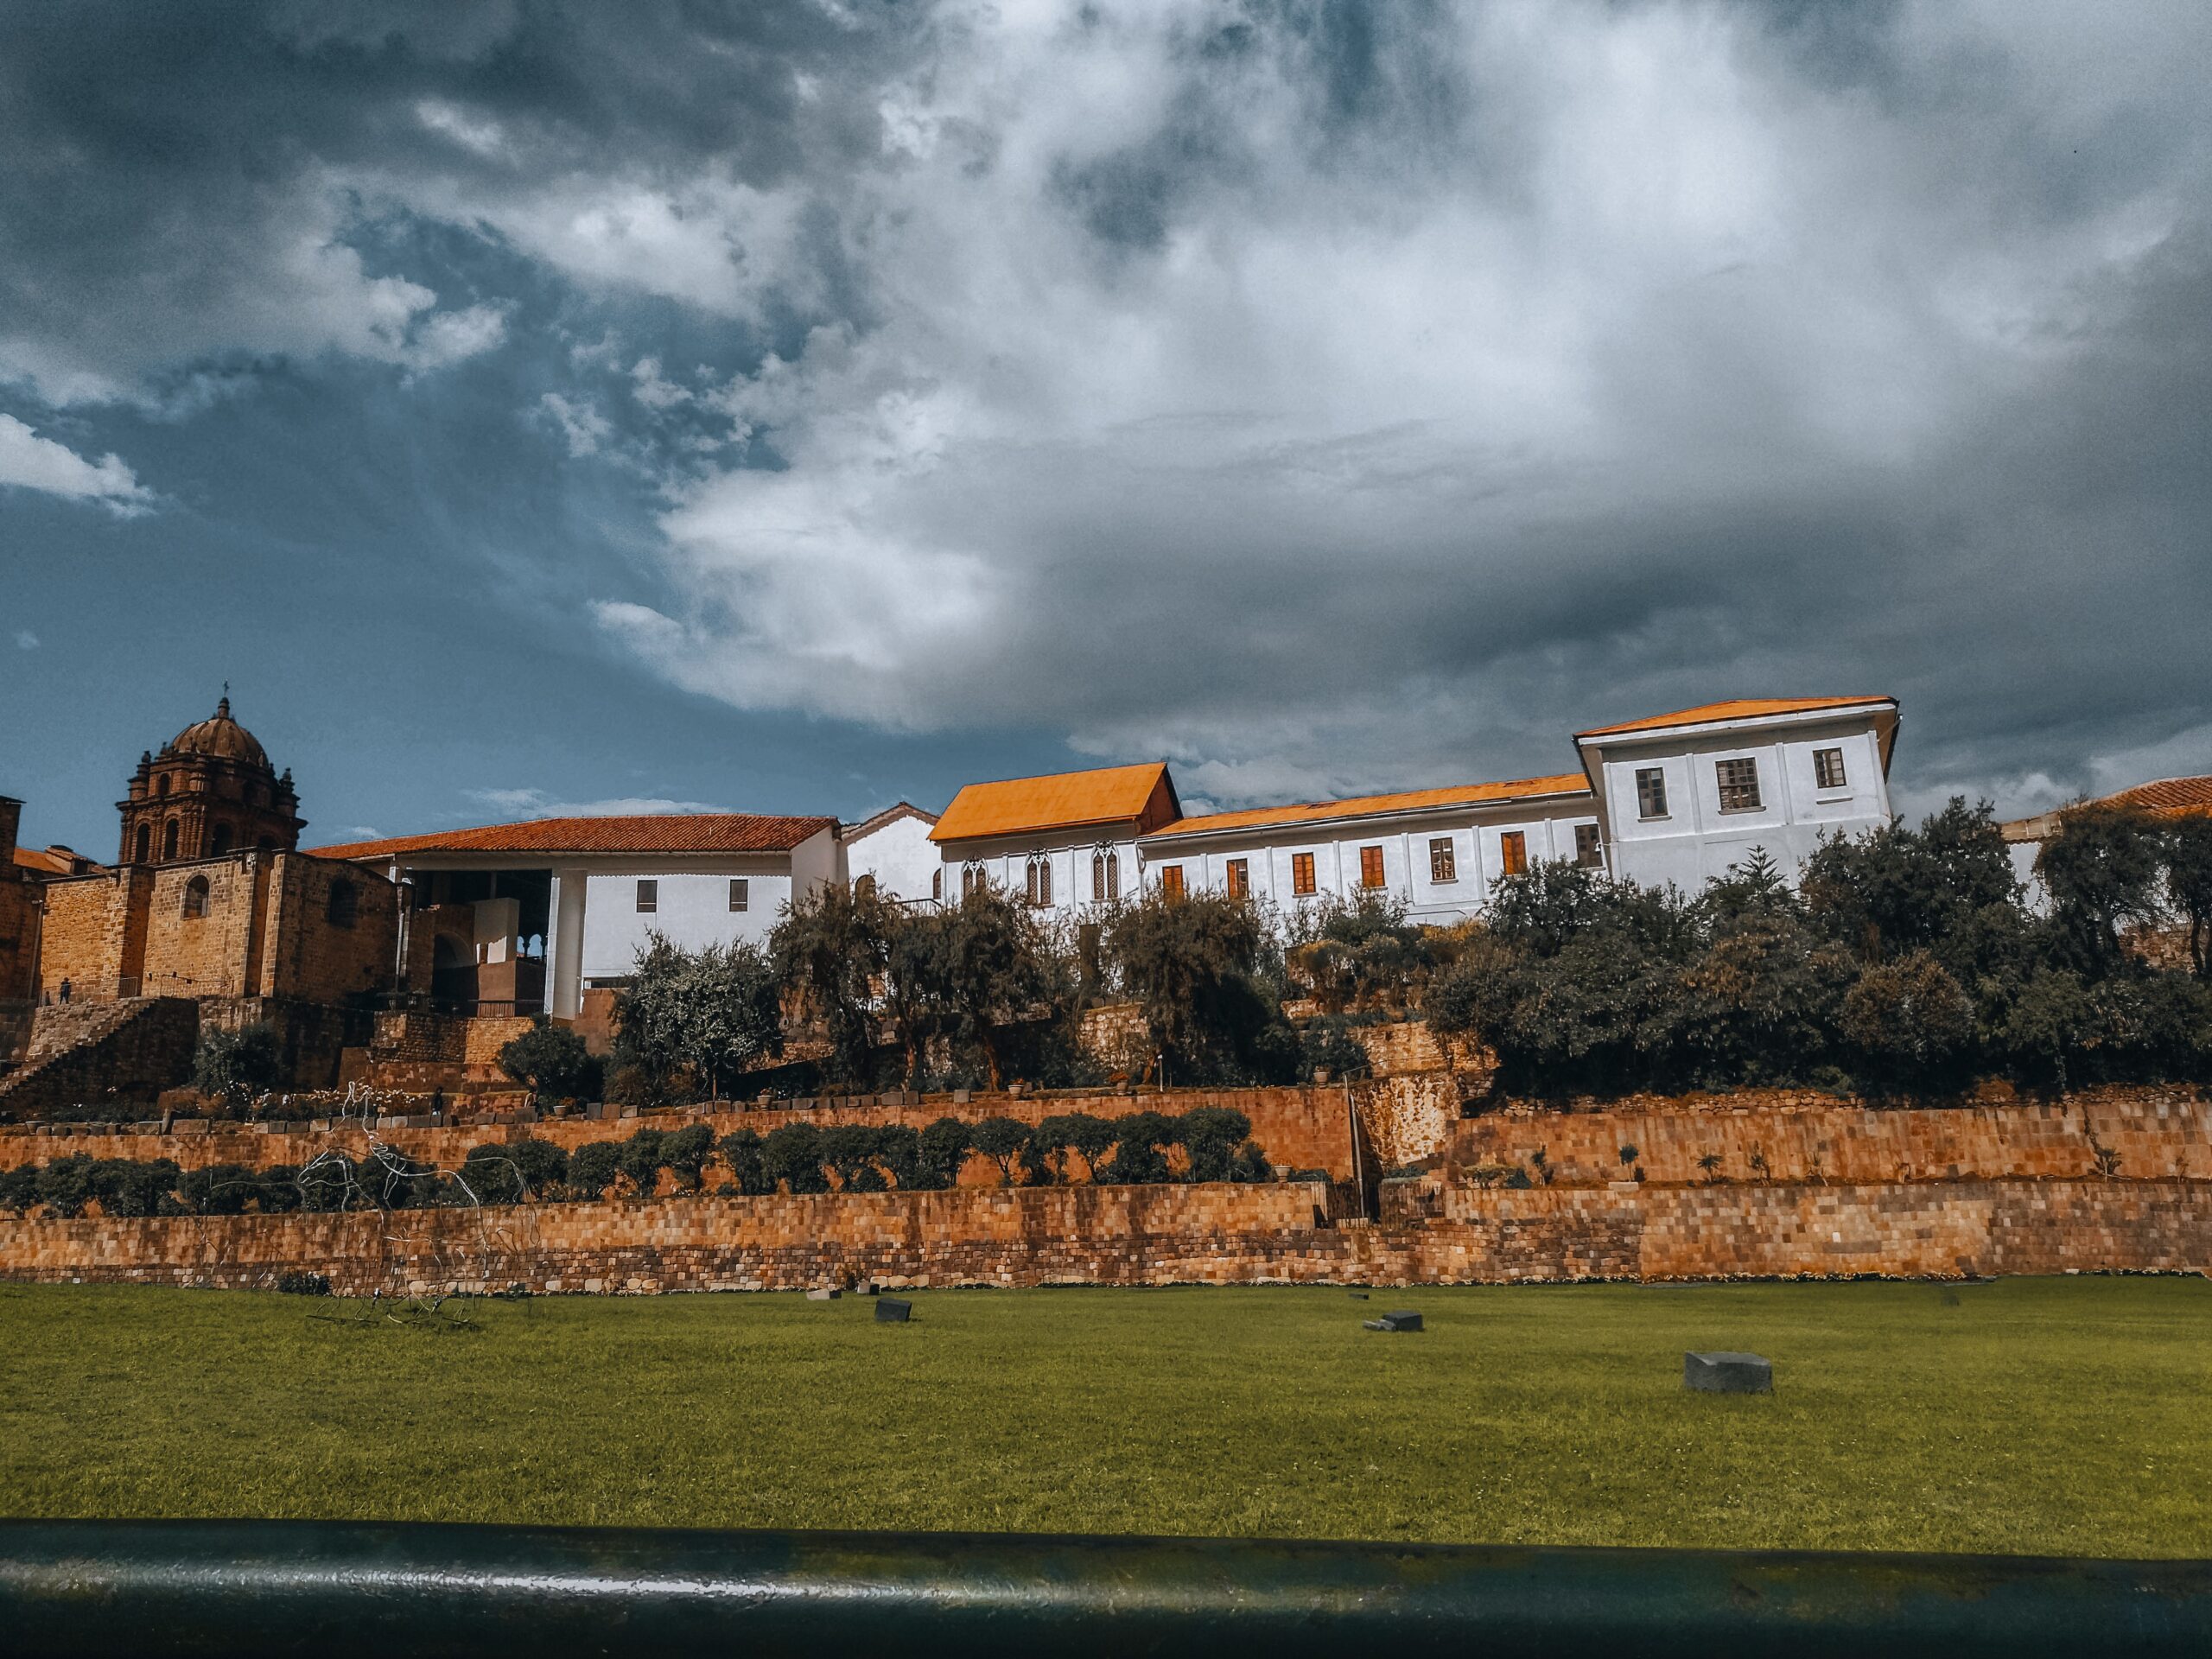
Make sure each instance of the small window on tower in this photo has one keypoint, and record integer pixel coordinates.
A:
(1650, 793)
(1443, 866)
(1371, 866)
(1589, 852)
(1240, 878)
(1513, 853)
(1828, 768)
(648, 898)
(1739, 783)
(169, 839)
(1301, 873)
(740, 893)
(195, 898)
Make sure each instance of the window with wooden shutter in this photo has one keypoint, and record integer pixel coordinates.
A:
(1301, 873)
(1371, 866)
(1170, 880)
(1513, 852)
(1240, 878)
(1442, 865)
(1650, 793)
(1589, 851)
(1739, 783)
(1828, 768)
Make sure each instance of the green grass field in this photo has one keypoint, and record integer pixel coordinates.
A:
(2068, 1416)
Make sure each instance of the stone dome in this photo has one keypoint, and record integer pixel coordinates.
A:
(221, 736)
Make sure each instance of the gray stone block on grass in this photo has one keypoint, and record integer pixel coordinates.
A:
(891, 1310)
(1727, 1374)
(1398, 1321)
(822, 1295)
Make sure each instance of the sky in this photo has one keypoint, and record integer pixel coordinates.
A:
(797, 407)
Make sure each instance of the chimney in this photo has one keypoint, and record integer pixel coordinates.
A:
(11, 814)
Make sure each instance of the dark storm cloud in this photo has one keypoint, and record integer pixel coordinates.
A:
(1327, 396)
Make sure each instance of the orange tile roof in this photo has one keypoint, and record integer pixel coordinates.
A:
(1734, 709)
(1065, 800)
(53, 860)
(1362, 806)
(674, 832)
(2175, 797)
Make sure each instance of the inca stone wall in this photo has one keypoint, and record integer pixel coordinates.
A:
(1158, 1235)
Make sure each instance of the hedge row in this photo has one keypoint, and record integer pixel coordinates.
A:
(797, 1158)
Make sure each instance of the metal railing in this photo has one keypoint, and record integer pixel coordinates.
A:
(338, 1589)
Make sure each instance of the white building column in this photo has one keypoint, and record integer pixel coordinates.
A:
(564, 946)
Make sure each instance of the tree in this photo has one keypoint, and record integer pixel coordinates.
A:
(1908, 1024)
(1898, 890)
(2189, 884)
(996, 966)
(940, 1151)
(2101, 870)
(849, 1149)
(711, 1013)
(1140, 1155)
(236, 1066)
(514, 1171)
(740, 1155)
(593, 1167)
(916, 979)
(1358, 951)
(1213, 1137)
(684, 1153)
(1195, 964)
(1002, 1140)
(552, 1060)
(828, 951)
(791, 1156)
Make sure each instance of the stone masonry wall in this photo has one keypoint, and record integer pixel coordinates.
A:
(1297, 1129)
(2154, 1130)
(1157, 1235)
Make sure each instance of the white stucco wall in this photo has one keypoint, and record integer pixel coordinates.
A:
(899, 855)
(1005, 860)
(1696, 840)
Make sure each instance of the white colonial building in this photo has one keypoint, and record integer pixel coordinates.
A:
(892, 852)
(1676, 798)
(576, 897)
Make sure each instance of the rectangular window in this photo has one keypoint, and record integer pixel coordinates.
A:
(1170, 880)
(1588, 853)
(1301, 873)
(740, 893)
(1740, 784)
(1371, 866)
(1828, 768)
(1650, 793)
(1240, 879)
(1513, 853)
(1442, 866)
(648, 898)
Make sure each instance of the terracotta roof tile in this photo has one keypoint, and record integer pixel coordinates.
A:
(2169, 796)
(676, 832)
(1065, 800)
(1734, 709)
(890, 814)
(1361, 806)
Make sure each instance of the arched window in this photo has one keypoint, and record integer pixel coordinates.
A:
(220, 843)
(865, 887)
(937, 883)
(1038, 883)
(1105, 876)
(195, 899)
(169, 839)
(144, 851)
(971, 877)
(267, 843)
(343, 903)
(161, 785)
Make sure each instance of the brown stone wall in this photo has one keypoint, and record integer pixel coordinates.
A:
(93, 935)
(99, 1054)
(1157, 1235)
(1297, 1129)
(209, 954)
(306, 955)
(2155, 1130)
(19, 928)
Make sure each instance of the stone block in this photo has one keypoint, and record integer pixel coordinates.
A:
(893, 1310)
(1727, 1374)
(1402, 1320)
(823, 1295)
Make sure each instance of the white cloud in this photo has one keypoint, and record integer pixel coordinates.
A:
(580, 423)
(448, 337)
(35, 463)
(26, 640)
(536, 804)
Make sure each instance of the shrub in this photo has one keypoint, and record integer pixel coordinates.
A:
(514, 1173)
(1328, 1045)
(684, 1153)
(1908, 1024)
(1003, 1141)
(941, 1149)
(898, 1147)
(640, 1159)
(553, 1061)
(1139, 1157)
(740, 1155)
(849, 1149)
(235, 1065)
(792, 1156)
(1211, 1136)
(593, 1167)
(1199, 967)
(295, 1282)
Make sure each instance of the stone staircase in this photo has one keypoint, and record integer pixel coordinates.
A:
(90, 1053)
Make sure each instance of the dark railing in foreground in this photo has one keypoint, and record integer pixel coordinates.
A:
(338, 1589)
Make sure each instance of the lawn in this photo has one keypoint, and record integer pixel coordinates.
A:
(2064, 1416)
